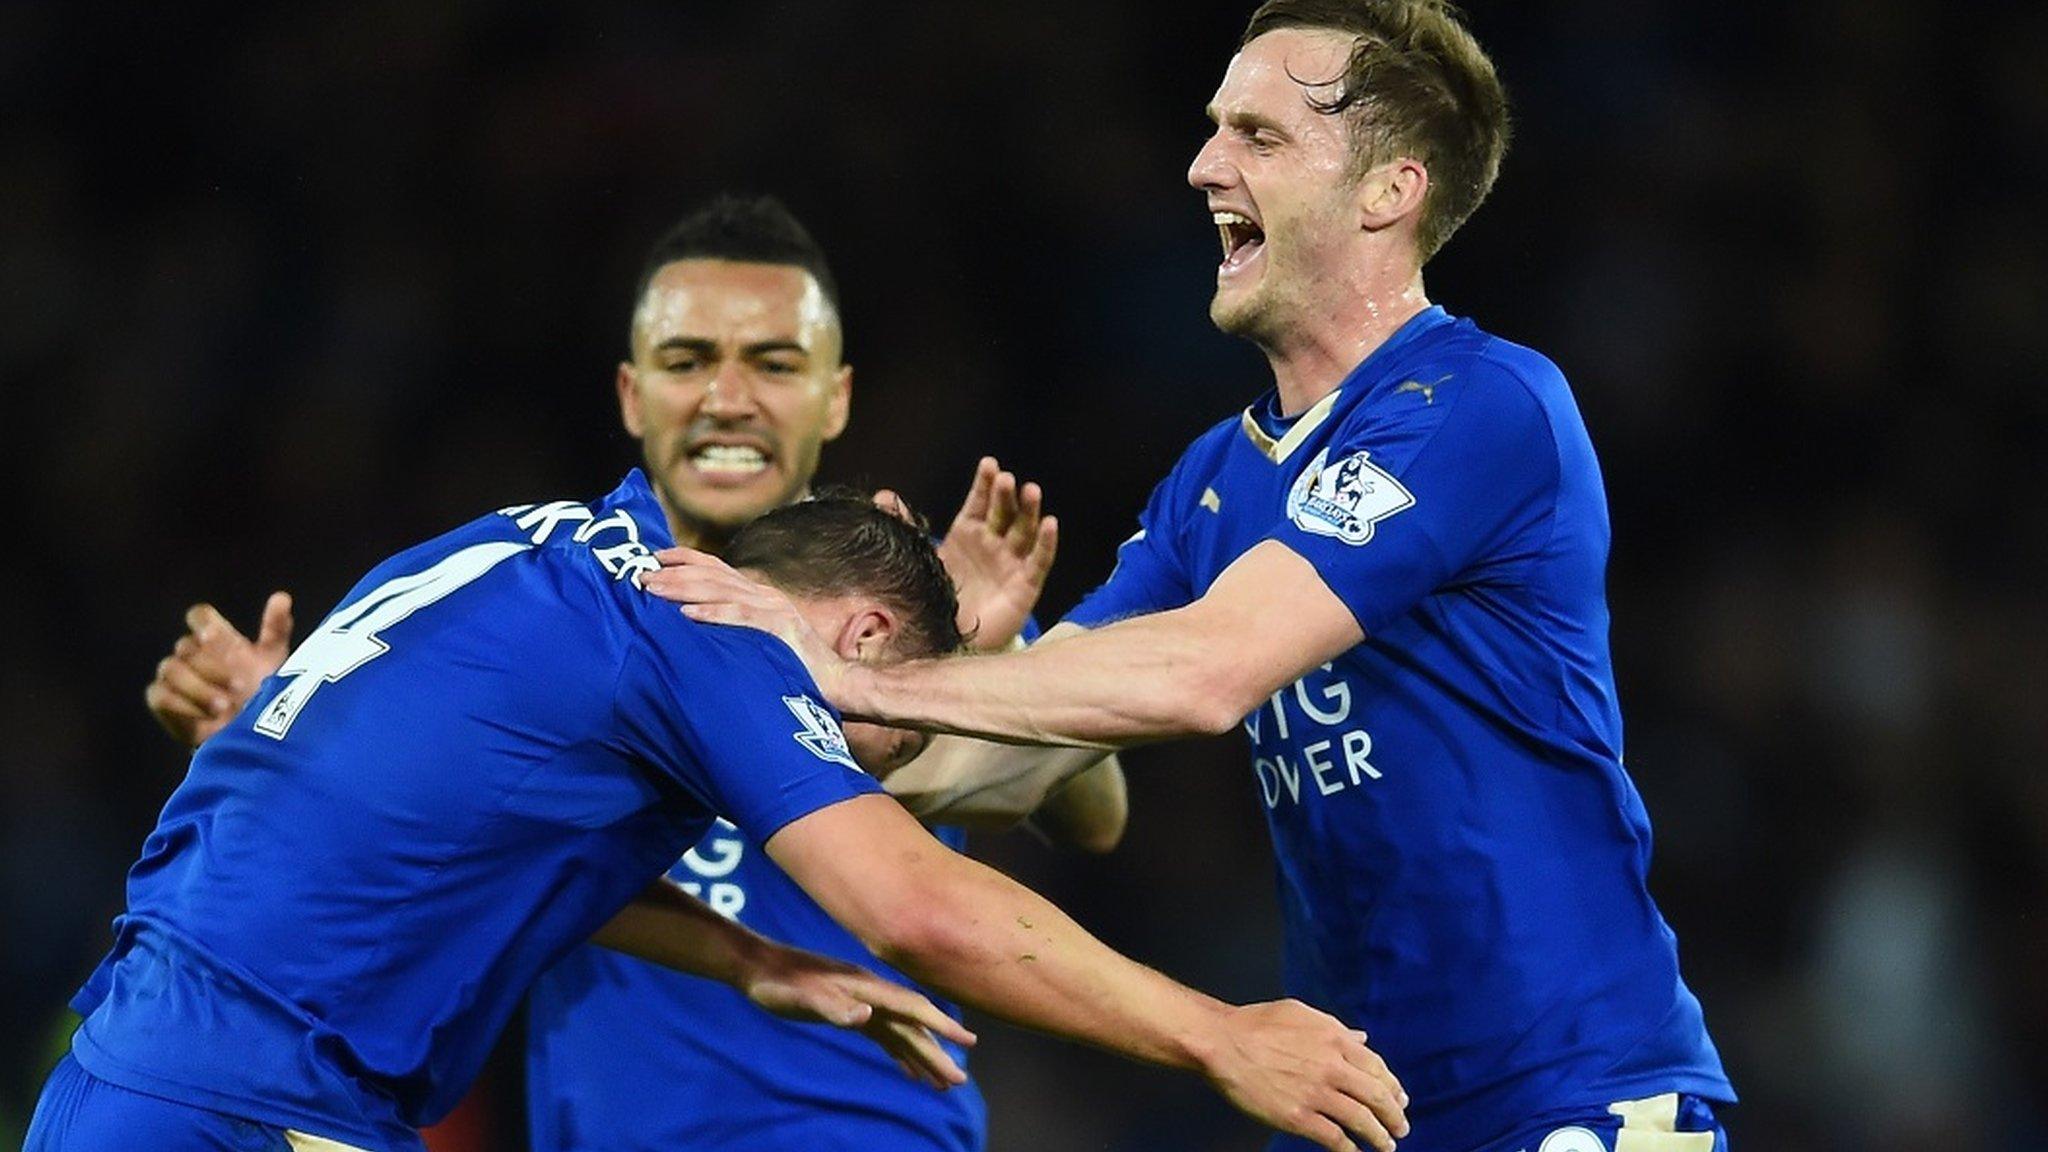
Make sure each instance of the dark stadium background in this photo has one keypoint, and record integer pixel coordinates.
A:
(284, 288)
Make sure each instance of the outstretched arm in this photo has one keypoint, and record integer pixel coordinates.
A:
(666, 925)
(1196, 670)
(976, 935)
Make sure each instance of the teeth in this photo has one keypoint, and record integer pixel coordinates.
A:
(1225, 219)
(730, 458)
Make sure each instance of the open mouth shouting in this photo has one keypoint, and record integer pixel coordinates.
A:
(1243, 241)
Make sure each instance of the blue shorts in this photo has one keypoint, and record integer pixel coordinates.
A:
(1673, 1122)
(79, 1112)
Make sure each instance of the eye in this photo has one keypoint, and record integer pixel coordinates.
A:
(782, 366)
(683, 363)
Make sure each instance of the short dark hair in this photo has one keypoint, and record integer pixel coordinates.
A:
(1416, 84)
(838, 543)
(748, 229)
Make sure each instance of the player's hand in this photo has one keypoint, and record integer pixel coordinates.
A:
(799, 985)
(998, 550)
(213, 669)
(710, 590)
(1302, 1071)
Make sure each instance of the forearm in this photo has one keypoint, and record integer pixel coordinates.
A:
(992, 944)
(666, 925)
(1148, 678)
(1195, 670)
(978, 784)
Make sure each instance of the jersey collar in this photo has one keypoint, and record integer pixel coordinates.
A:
(636, 496)
(1276, 437)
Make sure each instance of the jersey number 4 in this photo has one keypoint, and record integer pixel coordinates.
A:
(349, 639)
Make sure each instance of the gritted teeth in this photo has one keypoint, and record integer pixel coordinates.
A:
(1237, 231)
(729, 458)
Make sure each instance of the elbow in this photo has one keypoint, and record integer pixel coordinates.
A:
(920, 940)
(1102, 837)
(1214, 701)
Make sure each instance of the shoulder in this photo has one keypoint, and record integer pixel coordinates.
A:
(719, 657)
(1201, 455)
(1483, 392)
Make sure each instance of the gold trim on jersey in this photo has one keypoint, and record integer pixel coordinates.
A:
(1279, 450)
(306, 1142)
(1651, 1125)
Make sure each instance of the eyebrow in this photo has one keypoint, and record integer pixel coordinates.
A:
(704, 345)
(1242, 119)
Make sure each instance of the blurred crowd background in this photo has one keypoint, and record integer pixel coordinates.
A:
(284, 288)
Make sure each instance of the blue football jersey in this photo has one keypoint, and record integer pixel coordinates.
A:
(462, 773)
(630, 1057)
(1461, 855)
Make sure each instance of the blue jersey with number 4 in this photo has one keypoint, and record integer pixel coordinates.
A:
(466, 770)
(1461, 856)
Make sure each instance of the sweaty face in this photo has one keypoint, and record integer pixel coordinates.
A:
(734, 386)
(1277, 176)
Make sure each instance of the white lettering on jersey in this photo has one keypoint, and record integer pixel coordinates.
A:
(1345, 499)
(351, 637)
(626, 559)
(1328, 766)
(714, 858)
(820, 732)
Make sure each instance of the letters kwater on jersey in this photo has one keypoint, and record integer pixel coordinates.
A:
(1461, 857)
(464, 771)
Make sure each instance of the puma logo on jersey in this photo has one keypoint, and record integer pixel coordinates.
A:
(1428, 390)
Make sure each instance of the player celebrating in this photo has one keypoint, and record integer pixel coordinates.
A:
(1390, 570)
(735, 382)
(479, 759)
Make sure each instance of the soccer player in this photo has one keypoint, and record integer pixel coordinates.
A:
(734, 382)
(480, 758)
(1389, 570)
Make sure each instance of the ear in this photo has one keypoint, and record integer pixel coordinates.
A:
(867, 632)
(629, 400)
(839, 407)
(1391, 193)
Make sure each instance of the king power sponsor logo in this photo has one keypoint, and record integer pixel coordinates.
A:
(1304, 745)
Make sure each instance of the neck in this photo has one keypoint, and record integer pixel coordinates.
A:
(1310, 362)
(693, 533)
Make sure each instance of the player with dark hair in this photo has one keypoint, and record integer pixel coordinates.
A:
(734, 381)
(481, 757)
(1389, 569)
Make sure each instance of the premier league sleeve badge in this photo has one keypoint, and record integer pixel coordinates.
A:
(1345, 499)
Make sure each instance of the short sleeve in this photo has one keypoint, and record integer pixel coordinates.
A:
(1149, 576)
(1462, 490)
(732, 716)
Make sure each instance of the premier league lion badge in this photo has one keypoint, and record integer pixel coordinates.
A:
(821, 733)
(1344, 499)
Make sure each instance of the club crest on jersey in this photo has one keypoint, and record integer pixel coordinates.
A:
(1344, 499)
(821, 733)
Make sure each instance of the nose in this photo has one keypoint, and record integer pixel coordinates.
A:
(1211, 169)
(730, 393)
